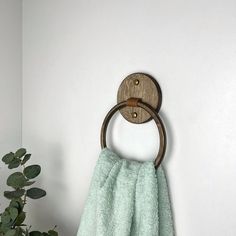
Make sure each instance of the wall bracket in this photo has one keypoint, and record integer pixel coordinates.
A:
(143, 86)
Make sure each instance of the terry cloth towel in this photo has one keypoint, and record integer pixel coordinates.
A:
(126, 198)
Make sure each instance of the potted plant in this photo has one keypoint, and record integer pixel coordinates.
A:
(13, 217)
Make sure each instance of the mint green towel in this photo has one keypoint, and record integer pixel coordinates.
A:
(126, 198)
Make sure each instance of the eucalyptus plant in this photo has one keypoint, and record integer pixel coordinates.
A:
(13, 217)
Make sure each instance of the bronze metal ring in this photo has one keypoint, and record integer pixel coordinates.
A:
(154, 115)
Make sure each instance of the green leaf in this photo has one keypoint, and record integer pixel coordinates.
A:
(11, 232)
(5, 227)
(35, 233)
(14, 163)
(14, 194)
(5, 217)
(17, 203)
(45, 234)
(28, 183)
(14, 203)
(16, 180)
(20, 152)
(20, 218)
(32, 171)
(35, 193)
(25, 159)
(52, 233)
(8, 157)
(13, 213)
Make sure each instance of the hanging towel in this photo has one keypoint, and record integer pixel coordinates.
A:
(126, 198)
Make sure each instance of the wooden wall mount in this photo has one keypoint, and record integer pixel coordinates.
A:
(143, 86)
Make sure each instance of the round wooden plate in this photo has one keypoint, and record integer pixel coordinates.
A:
(143, 86)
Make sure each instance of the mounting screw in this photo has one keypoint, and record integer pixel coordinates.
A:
(136, 82)
(134, 114)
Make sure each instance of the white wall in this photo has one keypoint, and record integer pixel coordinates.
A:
(76, 54)
(10, 81)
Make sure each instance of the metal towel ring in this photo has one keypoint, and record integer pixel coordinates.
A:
(136, 102)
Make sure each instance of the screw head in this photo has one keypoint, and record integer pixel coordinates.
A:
(134, 114)
(136, 82)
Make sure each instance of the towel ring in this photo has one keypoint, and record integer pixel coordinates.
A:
(136, 102)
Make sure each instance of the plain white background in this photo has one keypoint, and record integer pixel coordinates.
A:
(10, 81)
(75, 55)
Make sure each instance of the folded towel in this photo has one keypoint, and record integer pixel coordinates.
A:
(126, 198)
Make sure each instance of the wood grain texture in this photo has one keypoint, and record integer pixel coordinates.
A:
(143, 86)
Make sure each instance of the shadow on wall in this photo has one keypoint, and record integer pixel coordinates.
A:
(52, 210)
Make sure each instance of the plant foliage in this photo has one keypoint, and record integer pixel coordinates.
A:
(13, 217)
